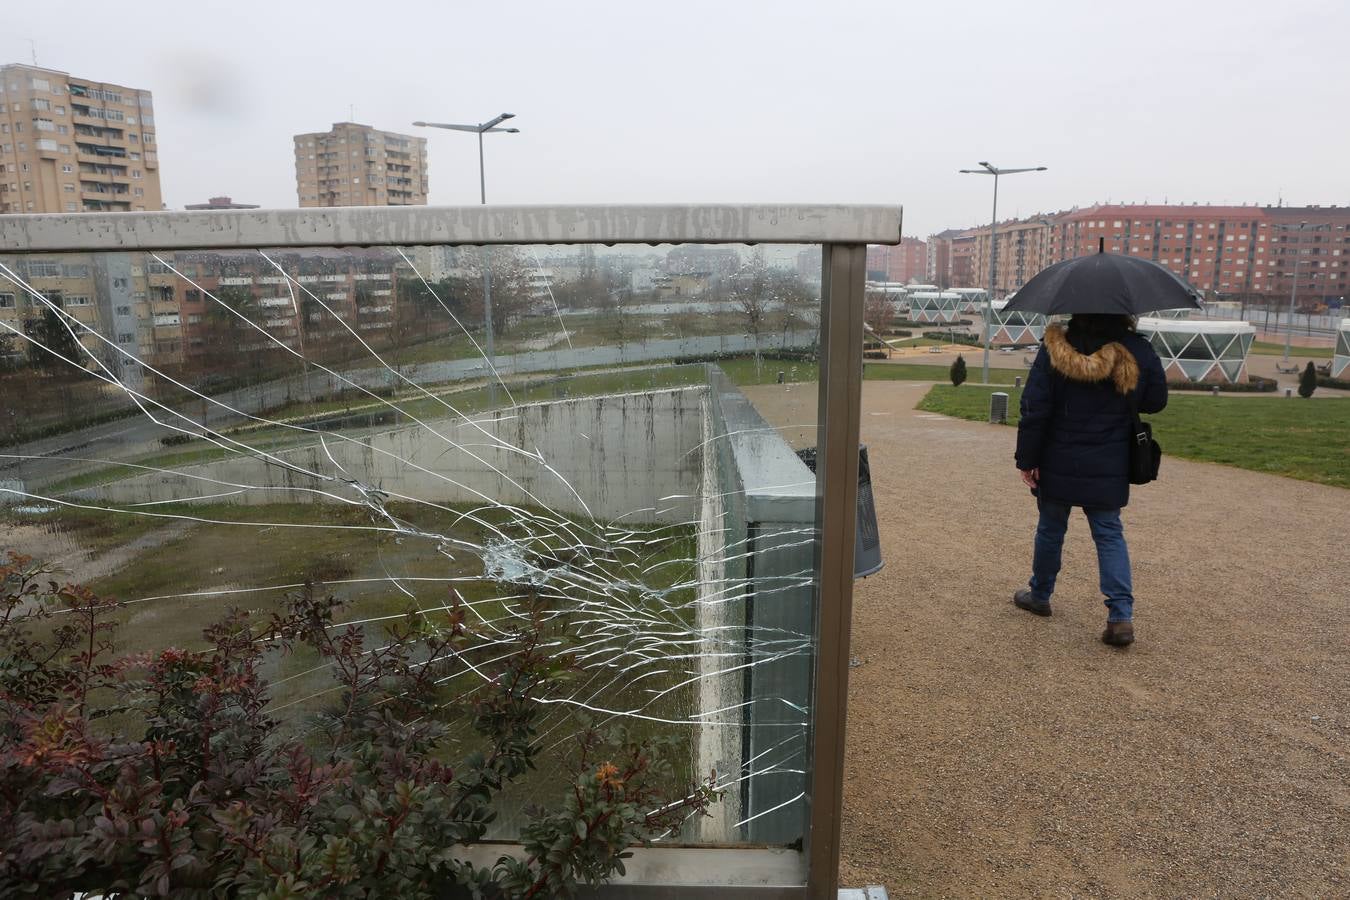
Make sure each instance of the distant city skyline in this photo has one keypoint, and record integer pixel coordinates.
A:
(703, 102)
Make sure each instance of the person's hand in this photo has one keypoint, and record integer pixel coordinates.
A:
(1030, 477)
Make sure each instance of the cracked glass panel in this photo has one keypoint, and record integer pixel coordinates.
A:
(608, 434)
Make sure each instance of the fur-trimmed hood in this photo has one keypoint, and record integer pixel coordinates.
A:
(1112, 361)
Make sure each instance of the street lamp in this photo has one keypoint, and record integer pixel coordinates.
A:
(1293, 291)
(993, 247)
(488, 127)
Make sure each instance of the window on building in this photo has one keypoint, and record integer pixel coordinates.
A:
(135, 173)
(71, 206)
(68, 188)
(6, 301)
(125, 338)
(77, 300)
(122, 311)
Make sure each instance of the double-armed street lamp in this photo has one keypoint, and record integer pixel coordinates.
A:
(488, 127)
(993, 247)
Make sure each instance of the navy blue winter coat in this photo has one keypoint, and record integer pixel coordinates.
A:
(1075, 424)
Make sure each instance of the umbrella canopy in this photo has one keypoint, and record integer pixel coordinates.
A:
(1104, 283)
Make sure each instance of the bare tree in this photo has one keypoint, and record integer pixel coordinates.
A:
(618, 322)
(796, 301)
(749, 291)
(878, 315)
(510, 284)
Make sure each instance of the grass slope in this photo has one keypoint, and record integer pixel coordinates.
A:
(1272, 348)
(1309, 441)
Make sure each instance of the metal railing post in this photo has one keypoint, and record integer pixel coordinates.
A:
(841, 338)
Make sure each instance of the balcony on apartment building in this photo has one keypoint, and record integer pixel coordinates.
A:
(93, 153)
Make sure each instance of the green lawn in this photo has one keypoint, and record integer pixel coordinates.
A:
(1271, 348)
(925, 372)
(1308, 440)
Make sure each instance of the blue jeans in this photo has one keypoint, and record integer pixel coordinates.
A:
(1113, 557)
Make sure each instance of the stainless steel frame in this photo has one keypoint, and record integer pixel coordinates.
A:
(838, 415)
(843, 232)
(406, 225)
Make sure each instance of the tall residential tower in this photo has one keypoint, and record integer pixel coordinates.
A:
(70, 144)
(356, 165)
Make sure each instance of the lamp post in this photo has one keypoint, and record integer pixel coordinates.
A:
(488, 127)
(1293, 291)
(993, 247)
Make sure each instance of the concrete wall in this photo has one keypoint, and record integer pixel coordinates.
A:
(697, 455)
(609, 456)
(762, 498)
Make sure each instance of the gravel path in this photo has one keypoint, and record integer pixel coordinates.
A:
(994, 753)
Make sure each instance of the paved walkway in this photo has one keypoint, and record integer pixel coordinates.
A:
(993, 753)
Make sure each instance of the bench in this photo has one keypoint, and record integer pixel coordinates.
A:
(1291, 370)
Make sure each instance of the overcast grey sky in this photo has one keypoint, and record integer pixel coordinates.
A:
(787, 101)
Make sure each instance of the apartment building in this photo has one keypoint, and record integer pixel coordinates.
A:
(1024, 248)
(160, 312)
(71, 144)
(124, 304)
(356, 165)
(904, 262)
(1246, 252)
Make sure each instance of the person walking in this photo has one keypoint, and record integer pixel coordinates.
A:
(1073, 451)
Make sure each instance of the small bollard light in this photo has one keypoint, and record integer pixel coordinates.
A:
(1289, 392)
(998, 408)
(781, 376)
(1214, 391)
(1017, 382)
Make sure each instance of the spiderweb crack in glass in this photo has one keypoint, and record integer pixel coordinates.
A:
(340, 433)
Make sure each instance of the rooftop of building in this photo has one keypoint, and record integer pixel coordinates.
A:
(43, 70)
(221, 203)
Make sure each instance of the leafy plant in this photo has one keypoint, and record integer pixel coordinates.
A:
(166, 774)
(958, 371)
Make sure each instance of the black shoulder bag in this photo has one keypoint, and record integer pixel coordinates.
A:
(1145, 454)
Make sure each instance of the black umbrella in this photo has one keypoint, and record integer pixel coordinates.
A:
(1104, 283)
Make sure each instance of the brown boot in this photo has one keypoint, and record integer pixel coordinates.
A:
(1118, 634)
(1023, 599)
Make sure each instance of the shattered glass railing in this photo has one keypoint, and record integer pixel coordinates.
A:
(608, 429)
